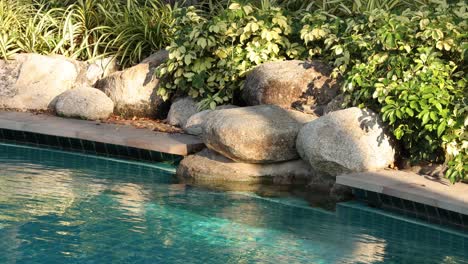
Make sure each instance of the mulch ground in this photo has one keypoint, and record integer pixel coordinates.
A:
(144, 123)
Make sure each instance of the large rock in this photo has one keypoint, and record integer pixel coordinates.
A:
(156, 59)
(181, 110)
(134, 92)
(101, 68)
(256, 134)
(349, 140)
(338, 103)
(210, 166)
(86, 103)
(194, 124)
(32, 81)
(306, 86)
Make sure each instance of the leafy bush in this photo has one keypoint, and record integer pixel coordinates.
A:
(209, 57)
(411, 68)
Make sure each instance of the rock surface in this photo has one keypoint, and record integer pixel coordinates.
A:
(210, 166)
(101, 68)
(86, 103)
(33, 81)
(194, 124)
(134, 92)
(306, 86)
(256, 134)
(335, 104)
(154, 60)
(181, 110)
(349, 140)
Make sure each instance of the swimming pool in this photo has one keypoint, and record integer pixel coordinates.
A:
(57, 207)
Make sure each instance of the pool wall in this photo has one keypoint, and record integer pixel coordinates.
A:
(85, 146)
(412, 209)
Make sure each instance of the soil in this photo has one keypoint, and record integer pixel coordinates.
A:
(144, 123)
(138, 122)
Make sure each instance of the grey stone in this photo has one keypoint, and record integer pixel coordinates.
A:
(157, 58)
(134, 92)
(256, 134)
(194, 124)
(341, 193)
(33, 81)
(181, 110)
(306, 86)
(211, 166)
(85, 103)
(101, 68)
(349, 140)
(336, 104)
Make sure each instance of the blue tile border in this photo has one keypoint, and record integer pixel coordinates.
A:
(412, 209)
(86, 146)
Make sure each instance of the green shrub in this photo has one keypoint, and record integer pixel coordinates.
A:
(139, 29)
(209, 58)
(409, 67)
(85, 29)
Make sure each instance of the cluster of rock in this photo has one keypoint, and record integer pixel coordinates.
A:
(270, 141)
(293, 129)
(88, 90)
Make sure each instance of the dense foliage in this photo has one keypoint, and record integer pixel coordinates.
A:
(85, 29)
(209, 57)
(409, 66)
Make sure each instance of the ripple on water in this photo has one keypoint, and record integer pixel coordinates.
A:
(63, 208)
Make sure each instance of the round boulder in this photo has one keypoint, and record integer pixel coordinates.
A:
(181, 110)
(210, 166)
(33, 81)
(349, 140)
(194, 124)
(86, 103)
(256, 134)
(134, 90)
(306, 86)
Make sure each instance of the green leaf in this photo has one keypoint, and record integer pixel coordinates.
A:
(409, 111)
(425, 118)
(213, 105)
(438, 106)
(202, 42)
(235, 6)
(441, 129)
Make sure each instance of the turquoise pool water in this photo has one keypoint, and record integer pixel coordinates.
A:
(57, 207)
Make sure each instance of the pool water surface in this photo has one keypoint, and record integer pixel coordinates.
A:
(58, 207)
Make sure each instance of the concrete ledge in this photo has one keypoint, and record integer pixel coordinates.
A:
(177, 144)
(427, 190)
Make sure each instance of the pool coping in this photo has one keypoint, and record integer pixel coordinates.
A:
(419, 196)
(95, 137)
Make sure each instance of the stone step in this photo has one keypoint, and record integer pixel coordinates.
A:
(432, 191)
(128, 136)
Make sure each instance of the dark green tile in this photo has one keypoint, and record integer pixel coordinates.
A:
(64, 143)
(100, 148)
(75, 144)
(88, 146)
(112, 150)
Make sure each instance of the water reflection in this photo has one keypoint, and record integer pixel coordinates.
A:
(64, 208)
